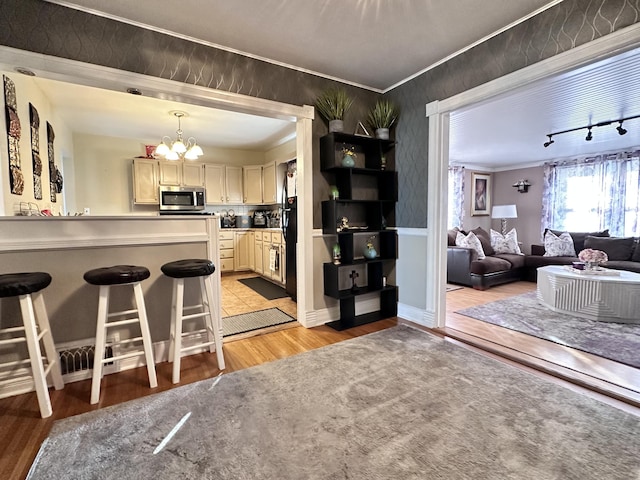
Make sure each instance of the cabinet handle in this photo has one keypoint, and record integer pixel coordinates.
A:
(222, 198)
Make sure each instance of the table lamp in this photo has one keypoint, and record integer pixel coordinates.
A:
(503, 212)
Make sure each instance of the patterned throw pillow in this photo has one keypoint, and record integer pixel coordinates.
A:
(507, 243)
(470, 241)
(558, 246)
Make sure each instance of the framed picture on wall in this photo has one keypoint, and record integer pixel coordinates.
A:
(480, 193)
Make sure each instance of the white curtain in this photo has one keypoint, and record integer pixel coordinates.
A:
(593, 193)
(455, 199)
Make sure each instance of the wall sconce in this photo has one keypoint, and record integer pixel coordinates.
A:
(522, 186)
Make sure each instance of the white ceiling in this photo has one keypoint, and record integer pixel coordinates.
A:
(372, 43)
(501, 133)
(115, 114)
(511, 129)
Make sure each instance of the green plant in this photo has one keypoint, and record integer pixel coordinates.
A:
(383, 114)
(333, 104)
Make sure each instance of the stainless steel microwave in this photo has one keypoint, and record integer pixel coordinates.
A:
(182, 198)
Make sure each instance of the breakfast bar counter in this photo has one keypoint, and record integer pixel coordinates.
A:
(67, 247)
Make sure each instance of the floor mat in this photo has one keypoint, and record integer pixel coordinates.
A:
(268, 290)
(246, 322)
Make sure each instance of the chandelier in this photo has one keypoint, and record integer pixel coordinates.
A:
(179, 149)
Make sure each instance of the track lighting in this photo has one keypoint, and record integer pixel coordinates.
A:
(589, 137)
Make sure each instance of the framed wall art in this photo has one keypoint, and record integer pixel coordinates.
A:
(480, 194)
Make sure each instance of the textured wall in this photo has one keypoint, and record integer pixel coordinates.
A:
(46, 28)
(558, 29)
(42, 27)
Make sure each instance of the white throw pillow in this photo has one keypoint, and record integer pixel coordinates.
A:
(505, 243)
(558, 246)
(470, 241)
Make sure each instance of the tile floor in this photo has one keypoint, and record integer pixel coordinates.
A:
(238, 298)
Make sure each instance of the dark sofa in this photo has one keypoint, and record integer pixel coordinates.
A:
(623, 253)
(464, 267)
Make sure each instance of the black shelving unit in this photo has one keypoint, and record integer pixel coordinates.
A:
(368, 193)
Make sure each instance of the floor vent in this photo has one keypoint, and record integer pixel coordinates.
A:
(81, 358)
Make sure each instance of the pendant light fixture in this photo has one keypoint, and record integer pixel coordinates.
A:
(179, 149)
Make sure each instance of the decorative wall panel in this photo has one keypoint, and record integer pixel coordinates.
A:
(51, 29)
(566, 25)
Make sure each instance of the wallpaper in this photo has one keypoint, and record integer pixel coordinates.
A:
(560, 28)
(42, 27)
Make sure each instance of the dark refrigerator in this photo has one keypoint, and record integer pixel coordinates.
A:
(289, 222)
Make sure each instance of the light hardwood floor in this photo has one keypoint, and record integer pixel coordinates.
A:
(22, 430)
(600, 374)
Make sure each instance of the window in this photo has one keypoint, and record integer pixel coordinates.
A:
(594, 193)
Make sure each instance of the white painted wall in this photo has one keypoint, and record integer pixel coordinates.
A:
(28, 92)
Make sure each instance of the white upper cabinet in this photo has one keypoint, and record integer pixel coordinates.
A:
(234, 184)
(182, 174)
(145, 181)
(252, 184)
(193, 174)
(269, 185)
(214, 182)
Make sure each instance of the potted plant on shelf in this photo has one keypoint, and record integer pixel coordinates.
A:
(332, 105)
(381, 117)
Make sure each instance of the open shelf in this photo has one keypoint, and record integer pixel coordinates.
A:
(367, 194)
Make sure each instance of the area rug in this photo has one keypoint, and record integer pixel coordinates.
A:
(616, 341)
(268, 290)
(247, 322)
(396, 404)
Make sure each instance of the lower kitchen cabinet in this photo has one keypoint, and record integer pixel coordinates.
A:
(244, 250)
(227, 249)
(253, 250)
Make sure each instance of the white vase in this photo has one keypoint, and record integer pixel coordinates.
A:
(336, 126)
(382, 133)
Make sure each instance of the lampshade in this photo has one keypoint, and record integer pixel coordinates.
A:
(504, 211)
(179, 149)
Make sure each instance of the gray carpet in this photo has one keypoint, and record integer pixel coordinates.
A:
(247, 322)
(396, 404)
(523, 313)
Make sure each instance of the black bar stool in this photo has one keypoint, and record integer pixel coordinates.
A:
(113, 276)
(27, 287)
(192, 268)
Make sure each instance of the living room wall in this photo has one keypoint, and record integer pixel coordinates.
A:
(528, 205)
(568, 24)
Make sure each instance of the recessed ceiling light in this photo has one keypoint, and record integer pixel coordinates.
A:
(25, 71)
(134, 91)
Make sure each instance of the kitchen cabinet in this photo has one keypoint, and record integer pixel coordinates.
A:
(227, 249)
(145, 181)
(179, 173)
(193, 174)
(233, 184)
(269, 184)
(223, 184)
(252, 176)
(272, 247)
(259, 265)
(243, 247)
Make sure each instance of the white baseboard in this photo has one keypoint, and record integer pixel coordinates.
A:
(417, 315)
